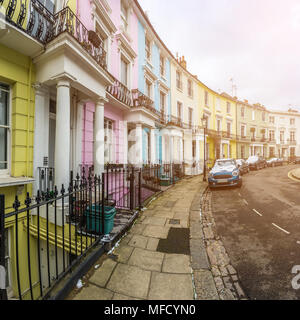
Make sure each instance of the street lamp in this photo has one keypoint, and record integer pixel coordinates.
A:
(204, 124)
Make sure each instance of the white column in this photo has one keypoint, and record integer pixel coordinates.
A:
(153, 146)
(62, 134)
(171, 139)
(181, 150)
(41, 131)
(78, 139)
(139, 144)
(99, 137)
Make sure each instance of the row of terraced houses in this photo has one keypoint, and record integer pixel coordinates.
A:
(84, 84)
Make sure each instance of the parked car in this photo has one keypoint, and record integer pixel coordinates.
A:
(243, 166)
(256, 162)
(225, 172)
(275, 162)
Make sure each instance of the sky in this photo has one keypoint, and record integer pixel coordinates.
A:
(255, 42)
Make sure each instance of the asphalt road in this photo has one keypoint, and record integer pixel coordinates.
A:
(259, 225)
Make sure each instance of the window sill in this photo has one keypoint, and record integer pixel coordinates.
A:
(7, 181)
(179, 89)
(148, 62)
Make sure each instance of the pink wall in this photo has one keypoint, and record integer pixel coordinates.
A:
(84, 9)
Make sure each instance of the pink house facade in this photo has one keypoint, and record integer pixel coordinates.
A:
(116, 24)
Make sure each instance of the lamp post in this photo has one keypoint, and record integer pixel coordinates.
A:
(204, 124)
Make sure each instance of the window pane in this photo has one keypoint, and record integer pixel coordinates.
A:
(3, 106)
(124, 72)
(3, 148)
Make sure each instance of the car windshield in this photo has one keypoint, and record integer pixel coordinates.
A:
(225, 163)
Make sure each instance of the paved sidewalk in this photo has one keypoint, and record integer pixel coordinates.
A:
(153, 260)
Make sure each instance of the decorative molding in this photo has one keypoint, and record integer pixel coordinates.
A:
(123, 43)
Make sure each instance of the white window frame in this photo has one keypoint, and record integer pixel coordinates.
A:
(162, 65)
(181, 109)
(206, 99)
(228, 107)
(162, 94)
(111, 145)
(245, 131)
(125, 59)
(190, 88)
(253, 115)
(147, 80)
(6, 172)
(179, 80)
(148, 51)
(218, 104)
(124, 18)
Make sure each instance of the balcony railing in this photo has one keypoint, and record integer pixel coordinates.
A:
(41, 20)
(67, 21)
(45, 26)
(119, 91)
(142, 101)
(175, 121)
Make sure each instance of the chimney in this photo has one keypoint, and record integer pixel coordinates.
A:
(182, 62)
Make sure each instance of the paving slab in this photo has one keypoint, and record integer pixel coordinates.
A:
(152, 244)
(147, 260)
(155, 221)
(166, 286)
(159, 232)
(102, 274)
(123, 252)
(130, 280)
(138, 228)
(94, 293)
(138, 241)
(176, 263)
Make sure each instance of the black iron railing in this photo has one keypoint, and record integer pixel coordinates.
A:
(119, 91)
(44, 26)
(67, 21)
(175, 121)
(142, 101)
(54, 231)
(40, 23)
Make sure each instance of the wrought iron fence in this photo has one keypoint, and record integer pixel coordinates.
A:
(52, 233)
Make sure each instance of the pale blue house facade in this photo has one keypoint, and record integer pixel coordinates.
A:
(154, 81)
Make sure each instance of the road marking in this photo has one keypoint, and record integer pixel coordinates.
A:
(257, 212)
(275, 225)
(246, 202)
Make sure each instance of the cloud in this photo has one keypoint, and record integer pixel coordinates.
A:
(253, 41)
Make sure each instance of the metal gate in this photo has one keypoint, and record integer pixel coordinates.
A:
(3, 295)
